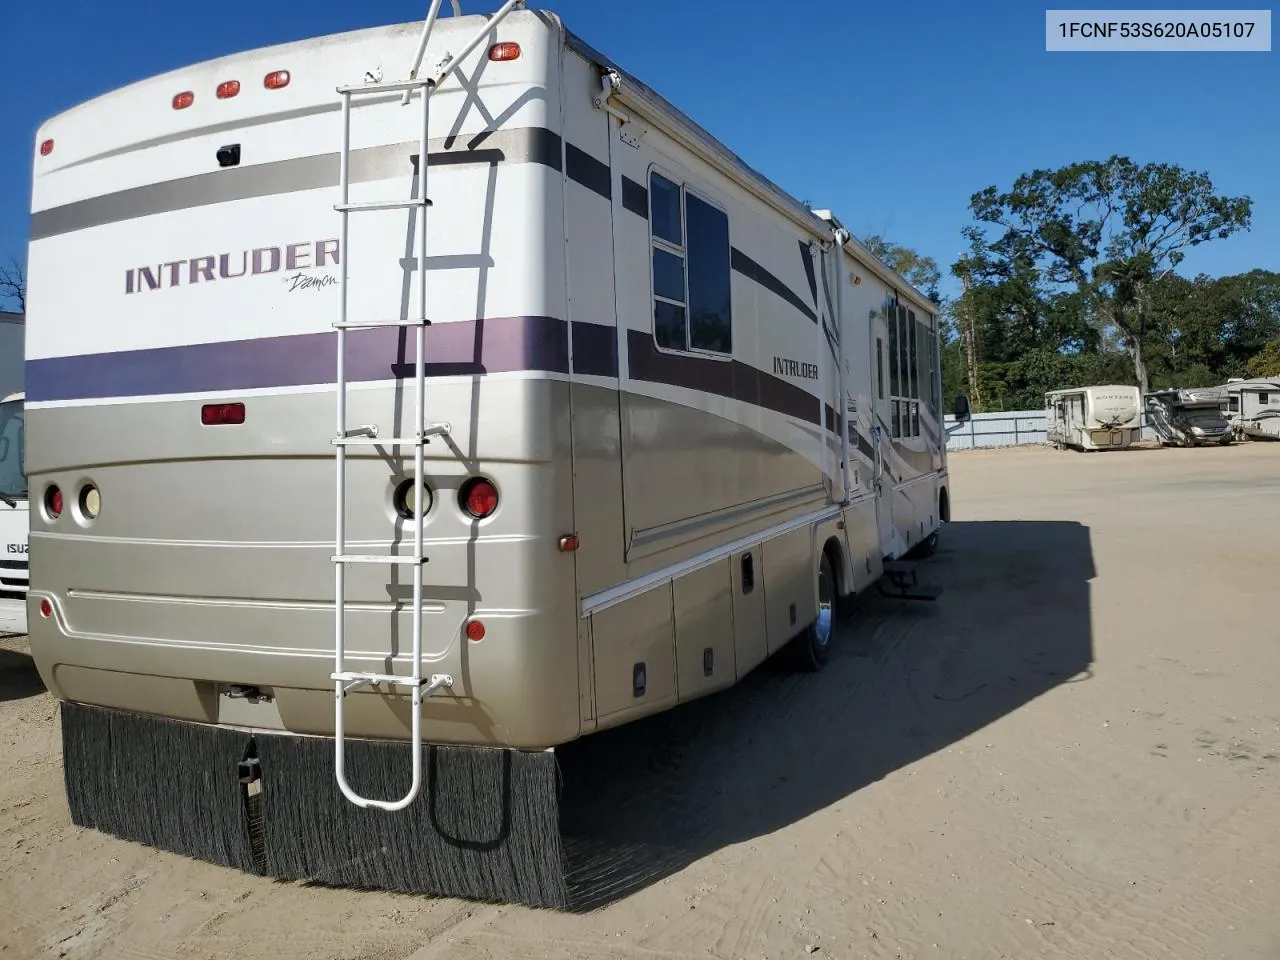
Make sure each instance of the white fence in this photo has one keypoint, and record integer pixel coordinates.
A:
(1008, 428)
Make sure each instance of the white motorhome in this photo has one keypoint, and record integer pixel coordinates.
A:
(1189, 417)
(1253, 408)
(1107, 417)
(13, 518)
(578, 420)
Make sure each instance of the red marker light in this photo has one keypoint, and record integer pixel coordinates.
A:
(504, 52)
(183, 100)
(479, 497)
(218, 414)
(46, 148)
(569, 543)
(276, 80)
(53, 502)
(475, 631)
(228, 89)
(46, 608)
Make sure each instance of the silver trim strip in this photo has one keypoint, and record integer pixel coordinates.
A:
(650, 535)
(633, 588)
(519, 145)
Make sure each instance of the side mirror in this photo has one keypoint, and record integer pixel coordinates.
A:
(962, 408)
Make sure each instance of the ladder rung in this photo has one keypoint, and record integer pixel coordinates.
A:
(353, 324)
(366, 205)
(363, 437)
(352, 676)
(377, 441)
(379, 558)
(394, 86)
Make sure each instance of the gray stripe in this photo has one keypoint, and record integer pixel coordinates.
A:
(522, 145)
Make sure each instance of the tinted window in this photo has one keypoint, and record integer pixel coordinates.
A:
(664, 201)
(668, 325)
(880, 367)
(914, 357)
(668, 275)
(708, 253)
(893, 350)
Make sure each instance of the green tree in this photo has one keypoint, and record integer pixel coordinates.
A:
(1266, 362)
(1109, 230)
(920, 271)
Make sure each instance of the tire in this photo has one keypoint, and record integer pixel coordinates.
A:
(811, 650)
(926, 548)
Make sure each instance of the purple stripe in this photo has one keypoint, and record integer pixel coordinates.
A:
(492, 345)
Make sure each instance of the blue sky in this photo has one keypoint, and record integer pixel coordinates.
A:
(890, 114)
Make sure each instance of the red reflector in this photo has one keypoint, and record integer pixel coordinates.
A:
(46, 148)
(502, 52)
(46, 608)
(228, 89)
(475, 631)
(183, 100)
(276, 80)
(569, 543)
(53, 502)
(479, 498)
(214, 414)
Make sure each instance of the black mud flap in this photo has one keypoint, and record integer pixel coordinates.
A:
(485, 825)
(167, 784)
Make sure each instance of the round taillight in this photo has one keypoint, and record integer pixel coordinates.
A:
(90, 501)
(475, 631)
(46, 608)
(53, 502)
(479, 497)
(406, 502)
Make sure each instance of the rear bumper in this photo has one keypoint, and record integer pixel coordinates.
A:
(511, 690)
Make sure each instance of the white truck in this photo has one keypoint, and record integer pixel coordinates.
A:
(13, 518)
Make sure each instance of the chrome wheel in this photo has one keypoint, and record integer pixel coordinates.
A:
(826, 599)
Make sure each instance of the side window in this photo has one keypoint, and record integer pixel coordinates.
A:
(1233, 404)
(1264, 398)
(691, 270)
(893, 351)
(914, 364)
(907, 365)
(880, 366)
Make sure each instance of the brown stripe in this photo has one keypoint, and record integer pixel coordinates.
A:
(732, 379)
(595, 349)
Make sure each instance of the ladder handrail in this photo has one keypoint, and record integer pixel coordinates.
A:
(345, 681)
(451, 61)
(341, 680)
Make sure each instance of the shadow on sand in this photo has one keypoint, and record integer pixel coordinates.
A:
(646, 800)
(18, 676)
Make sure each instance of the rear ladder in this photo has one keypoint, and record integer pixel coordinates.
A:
(344, 680)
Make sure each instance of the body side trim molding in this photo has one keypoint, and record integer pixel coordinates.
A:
(615, 595)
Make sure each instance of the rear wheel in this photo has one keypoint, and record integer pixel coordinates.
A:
(812, 649)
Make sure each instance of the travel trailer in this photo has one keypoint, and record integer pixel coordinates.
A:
(1253, 408)
(13, 518)
(363, 482)
(1093, 418)
(1189, 417)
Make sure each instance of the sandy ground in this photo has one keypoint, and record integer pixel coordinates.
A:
(1074, 753)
